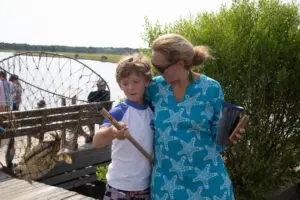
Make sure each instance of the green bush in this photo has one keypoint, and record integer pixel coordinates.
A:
(101, 173)
(257, 49)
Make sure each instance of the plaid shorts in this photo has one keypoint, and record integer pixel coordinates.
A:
(116, 194)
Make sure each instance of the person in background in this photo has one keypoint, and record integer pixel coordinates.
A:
(101, 94)
(41, 104)
(5, 93)
(16, 92)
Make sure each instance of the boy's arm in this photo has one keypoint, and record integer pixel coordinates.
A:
(103, 137)
(108, 132)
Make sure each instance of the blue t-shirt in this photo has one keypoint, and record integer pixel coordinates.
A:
(187, 162)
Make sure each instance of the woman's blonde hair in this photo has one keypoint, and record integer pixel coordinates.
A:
(133, 64)
(176, 48)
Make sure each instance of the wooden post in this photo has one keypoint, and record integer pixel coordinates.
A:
(63, 131)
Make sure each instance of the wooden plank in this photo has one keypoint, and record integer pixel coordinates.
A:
(55, 180)
(36, 129)
(26, 187)
(76, 197)
(50, 119)
(25, 191)
(80, 162)
(50, 111)
(59, 195)
(77, 182)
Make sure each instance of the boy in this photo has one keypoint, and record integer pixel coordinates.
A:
(128, 175)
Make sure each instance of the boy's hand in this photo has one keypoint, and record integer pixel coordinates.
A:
(122, 133)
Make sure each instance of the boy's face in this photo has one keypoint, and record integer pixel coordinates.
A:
(134, 87)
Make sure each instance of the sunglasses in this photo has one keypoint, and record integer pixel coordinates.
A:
(162, 69)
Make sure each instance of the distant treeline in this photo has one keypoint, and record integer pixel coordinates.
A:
(56, 48)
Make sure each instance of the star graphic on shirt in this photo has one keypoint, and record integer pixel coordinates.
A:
(175, 118)
(212, 154)
(158, 106)
(165, 197)
(196, 195)
(197, 128)
(222, 198)
(163, 91)
(204, 176)
(205, 85)
(208, 111)
(190, 102)
(171, 186)
(189, 149)
(165, 138)
(227, 183)
(179, 167)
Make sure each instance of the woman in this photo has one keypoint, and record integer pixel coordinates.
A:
(187, 107)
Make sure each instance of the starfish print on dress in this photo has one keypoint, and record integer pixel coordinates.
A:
(163, 91)
(208, 111)
(175, 118)
(196, 195)
(179, 167)
(212, 154)
(219, 97)
(160, 155)
(165, 138)
(165, 197)
(171, 186)
(155, 170)
(190, 102)
(222, 198)
(197, 128)
(204, 176)
(227, 183)
(189, 149)
(159, 107)
(206, 84)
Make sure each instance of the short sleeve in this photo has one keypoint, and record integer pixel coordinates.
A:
(117, 113)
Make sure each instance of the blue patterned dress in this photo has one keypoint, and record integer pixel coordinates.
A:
(187, 161)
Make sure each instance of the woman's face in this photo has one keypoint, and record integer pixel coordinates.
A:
(171, 72)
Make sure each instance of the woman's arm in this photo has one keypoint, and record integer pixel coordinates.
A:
(218, 101)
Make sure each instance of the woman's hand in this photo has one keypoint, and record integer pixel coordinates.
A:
(237, 135)
(239, 130)
(122, 133)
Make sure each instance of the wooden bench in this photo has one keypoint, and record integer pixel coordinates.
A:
(65, 120)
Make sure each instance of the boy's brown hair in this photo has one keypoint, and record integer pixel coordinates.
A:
(133, 64)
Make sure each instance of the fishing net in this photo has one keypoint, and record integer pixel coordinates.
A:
(45, 81)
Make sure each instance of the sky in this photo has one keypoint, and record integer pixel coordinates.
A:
(97, 23)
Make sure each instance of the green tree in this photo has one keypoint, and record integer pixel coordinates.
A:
(257, 49)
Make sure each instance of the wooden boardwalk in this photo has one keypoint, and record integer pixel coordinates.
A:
(16, 189)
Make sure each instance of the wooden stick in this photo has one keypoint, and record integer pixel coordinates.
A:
(109, 118)
(242, 123)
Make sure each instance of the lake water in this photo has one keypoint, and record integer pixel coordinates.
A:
(60, 76)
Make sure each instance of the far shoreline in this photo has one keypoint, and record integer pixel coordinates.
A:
(111, 58)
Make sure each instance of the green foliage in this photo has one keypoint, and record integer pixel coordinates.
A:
(101, 173)
(257, 49)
